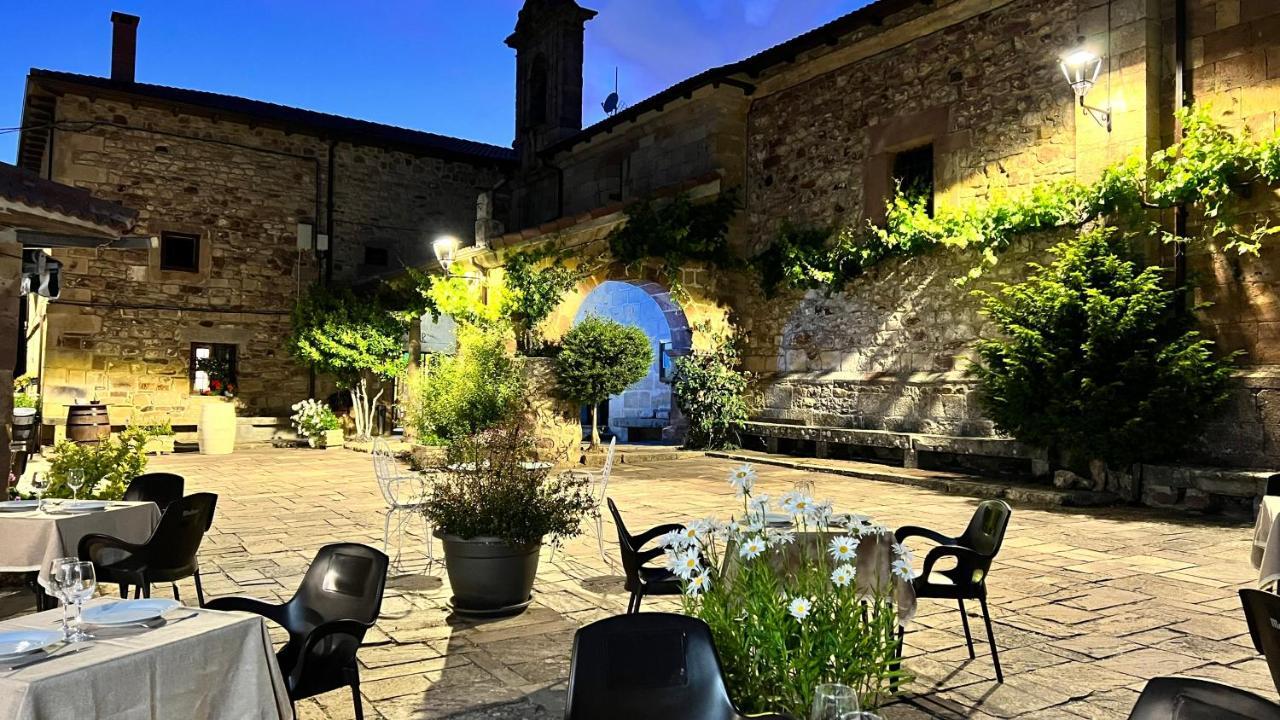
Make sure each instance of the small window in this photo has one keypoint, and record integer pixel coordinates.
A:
(913, 174)
(213, 369)
(179, 252)
(376, 256)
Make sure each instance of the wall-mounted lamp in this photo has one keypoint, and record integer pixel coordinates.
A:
(445, 247)
(1082, 67)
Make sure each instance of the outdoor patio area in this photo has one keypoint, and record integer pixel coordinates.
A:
(1087, 605)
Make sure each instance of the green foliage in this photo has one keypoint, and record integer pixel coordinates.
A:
(711, 390)
(797, 258)
(465, 300)
(492, 489)
(457, 395)
(677, 231)
(1093, 359)
(160, 428)
(1205, 171)
(24, 400)
(312, 418)
(337, 332)
(108, 466)
(600, 357)
(536, 282)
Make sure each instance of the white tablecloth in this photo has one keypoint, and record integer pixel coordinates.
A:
(29, 541)
(213, 666)
(1266, 542)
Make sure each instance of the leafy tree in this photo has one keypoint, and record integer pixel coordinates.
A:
(357, 340)
(598, 358)
(466, 393)
(711, 391)
(534, 290)
(1094, 360)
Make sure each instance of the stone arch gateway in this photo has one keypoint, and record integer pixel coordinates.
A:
(645, 411)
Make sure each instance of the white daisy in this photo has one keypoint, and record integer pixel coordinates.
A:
(672, 557)
(904, 552)
(843, 575)
(672, 539)
(799, 607)
(843, 548)
(902, 569)
(752, 548)
(698, 584)
(688, 564)
(822, 512)
(689, 536)
(742, 478)
(778, 537)
(759, 503)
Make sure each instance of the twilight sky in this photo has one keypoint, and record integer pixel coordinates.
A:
(424, 64)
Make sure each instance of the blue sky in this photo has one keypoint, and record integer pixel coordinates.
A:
(424, 64)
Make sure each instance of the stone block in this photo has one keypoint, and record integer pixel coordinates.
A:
(1161, 495)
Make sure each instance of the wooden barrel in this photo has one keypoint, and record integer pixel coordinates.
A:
(88, 423)
(217, 431)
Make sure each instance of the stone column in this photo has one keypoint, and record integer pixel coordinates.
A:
(10, 277)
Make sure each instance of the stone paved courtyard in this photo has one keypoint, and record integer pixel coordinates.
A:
(1087, 605)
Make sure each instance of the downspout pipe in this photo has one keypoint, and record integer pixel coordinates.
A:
(1183, 99)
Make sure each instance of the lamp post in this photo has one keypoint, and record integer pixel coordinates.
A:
(1082, 67)
(445, 247)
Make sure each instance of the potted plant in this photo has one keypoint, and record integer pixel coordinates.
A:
(493, 508)
(25, 404)
(160, 437)
(107, 467)
(316, 422)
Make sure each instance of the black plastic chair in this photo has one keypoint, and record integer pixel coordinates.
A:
(1182, 698)
(1262, 611)
(169, 555)
(338, 601)
(159, 488)
(643, 579)
(973, 552)
(648, 665)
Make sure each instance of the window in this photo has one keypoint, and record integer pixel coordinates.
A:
(377, 256)
(179, 252)
(538, 94)
(213, 368)
(913, 173)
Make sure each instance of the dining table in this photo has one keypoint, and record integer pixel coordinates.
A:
(190, 663)
(33, 538)
(1265, 554)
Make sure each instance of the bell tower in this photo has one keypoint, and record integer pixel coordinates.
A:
(548, 42)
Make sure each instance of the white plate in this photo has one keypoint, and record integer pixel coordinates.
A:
(17, 643)
(128, 612)
(82, 505)
(19, 505)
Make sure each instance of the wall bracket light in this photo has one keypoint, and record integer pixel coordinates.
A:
(1082, 67)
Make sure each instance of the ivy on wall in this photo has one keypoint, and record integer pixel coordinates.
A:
(677, 231)
(537, 281)
(1208, 170)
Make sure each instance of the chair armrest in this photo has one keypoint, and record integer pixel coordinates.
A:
(907, 531)
(645, 556)
(654, 533)
(93, 542)
(355, 628)
(237, 603)
(964, 556)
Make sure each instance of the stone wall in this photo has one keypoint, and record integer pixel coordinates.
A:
(10, 273)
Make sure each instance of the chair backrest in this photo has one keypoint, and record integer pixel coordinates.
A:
(647, 665)
(177, 538)
(390, 480)
(1180, 698)
(626, 546)
(1262, 611)
(344, 582)
(985, 533)
(159, 487)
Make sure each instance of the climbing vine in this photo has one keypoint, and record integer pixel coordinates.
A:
(1207, 170)
(677, 231)
(537, 281)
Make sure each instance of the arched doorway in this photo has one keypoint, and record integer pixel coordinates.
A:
(644, 411)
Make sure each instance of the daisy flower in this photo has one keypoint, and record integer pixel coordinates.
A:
(752, 548)
(902, 569)
(800, 607)
(779, 537)
(843, 548)
(698, 584)
(687, 564)
(742, 478)
(672, 539)
(904, 552)
(689, 536)
(759, 503)
(843, 575)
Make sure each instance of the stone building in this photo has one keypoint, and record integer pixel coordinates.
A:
(246, 202)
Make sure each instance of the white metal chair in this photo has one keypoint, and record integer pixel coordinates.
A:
(600, 490)
(405, 494)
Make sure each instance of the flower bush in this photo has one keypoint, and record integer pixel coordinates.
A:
(790, 610)
(107, 466)
(312, 418)
(492, 486)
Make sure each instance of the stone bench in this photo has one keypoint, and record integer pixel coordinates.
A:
(911, 444)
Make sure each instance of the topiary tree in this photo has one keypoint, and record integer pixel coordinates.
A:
(598, 358)
(1094, 360)
(356, 339)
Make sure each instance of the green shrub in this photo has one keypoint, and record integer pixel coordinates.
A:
(108, 466)
(536, 282)
(460, 394)
(23, 400)
(598, 358)
(711, 391)
(678, 230)
(1093, 359)
(493, 490)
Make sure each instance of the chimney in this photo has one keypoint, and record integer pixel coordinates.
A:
(124, 46)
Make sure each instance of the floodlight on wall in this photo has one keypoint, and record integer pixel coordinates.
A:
(445, 247)
(1082, 67)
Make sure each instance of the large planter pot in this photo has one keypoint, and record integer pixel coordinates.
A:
(490, 576)
(217, 432)
(329, 439)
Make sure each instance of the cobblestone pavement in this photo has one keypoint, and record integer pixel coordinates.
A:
(1087, 605)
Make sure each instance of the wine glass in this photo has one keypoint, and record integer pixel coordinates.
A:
(39, 483)
(58, 587)
(79, 584)
(75, 481)
(833, 701)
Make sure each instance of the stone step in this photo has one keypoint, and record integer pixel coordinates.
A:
(947, 482)
(639, 454)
